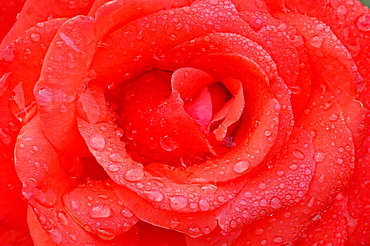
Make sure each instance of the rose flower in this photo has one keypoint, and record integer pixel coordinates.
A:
(184, 122)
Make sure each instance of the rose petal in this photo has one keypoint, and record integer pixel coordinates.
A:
(163, 194)
(35, 11)
(8, 13)
(328, 52)
(44, 183)
(358, 198)
(97, 209)
(334, 164)
(165, 132)
(13, 207)
(284, 184)
(331, 227)
(136, 52)
(28, 51)
(61, 79)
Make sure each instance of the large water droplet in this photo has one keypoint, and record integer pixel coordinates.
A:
(241, 166)
(134, 174)
(298, 154)
(363, 23)
(178, 202)
(333, 117)
(204, 204)
(62, 218)
(35, 37)
(97, 141)
(126, 213)
(56, 235)
(278, 239)
(99, 211)
(316, 41)
(168, 144)
(113, 168)
(275, 203)
(154, 195)
(116, 157)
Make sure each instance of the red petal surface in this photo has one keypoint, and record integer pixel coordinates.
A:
(35, 11)
(285, 183)
(331, 228)
(358, 198)
(44, 183)
(28, 51)
(333, 169)
(60, 81)
(162, 192)
(96, 207)
(8, 15)
(173, 134)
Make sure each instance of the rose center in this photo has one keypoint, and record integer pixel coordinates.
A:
(179, 118)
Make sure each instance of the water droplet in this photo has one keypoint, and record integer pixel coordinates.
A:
(320, 27)
(56, 235)
(214, 2)
(174, 223)
(154, 195)
(293, 167)
(134, 174)
(35, 37)
(341, 12)
(298, 154)
(317, 41)
(126, 213)
(113, 168)
(193, 231)
(262, 186)
(178, 202)
(333, 117)
(40, 24)
(278, 239)
(259, 231)
(22, 146)
(340, 161)
(241, 166)
(73, 237)
(204, 204)
(327, 106)
(363, 23)
(99, 211)
(75, 204)
(97, 141)
(62, 218)
(168, 144)
(321, 179)
(245, 214)
(268, 133)
(116, 157)
(298, 41)
(276, 203)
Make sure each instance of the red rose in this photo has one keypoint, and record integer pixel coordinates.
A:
(207, 122)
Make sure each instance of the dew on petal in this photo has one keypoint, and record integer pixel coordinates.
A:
(99, 211)
(178, 202)
(363, 23)
(134, 174)
(97, 141)
(241, 166)
(154, 195)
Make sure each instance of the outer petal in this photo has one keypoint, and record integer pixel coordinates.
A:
(8, 13)
(334, 157)
(40, 10)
